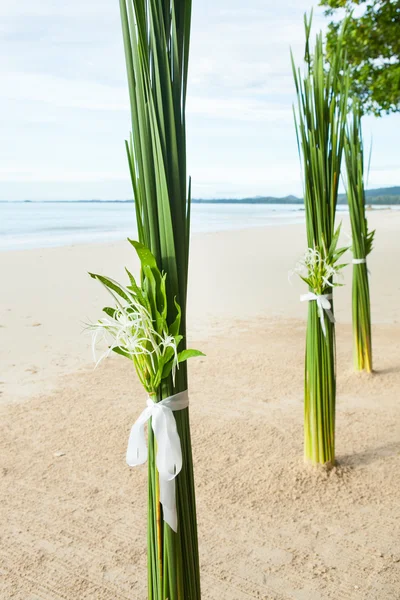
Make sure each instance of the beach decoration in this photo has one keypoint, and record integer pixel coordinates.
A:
(136, 327)
(320, 120)
(362, 242)
(318, 273)
(156, 39)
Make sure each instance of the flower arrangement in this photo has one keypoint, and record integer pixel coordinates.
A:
(320, 119)
(156, 39)
(318, 271)
(362, 243)
(136, 327)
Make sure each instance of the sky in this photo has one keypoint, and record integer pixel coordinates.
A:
(64, 107)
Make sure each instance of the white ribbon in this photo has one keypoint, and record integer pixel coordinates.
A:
(169, 452)
(323, 305)
(360, 261)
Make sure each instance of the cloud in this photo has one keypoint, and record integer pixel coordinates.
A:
(64, 106)
(91, 9)
(62, 92)
(238, 109)
(15, 174)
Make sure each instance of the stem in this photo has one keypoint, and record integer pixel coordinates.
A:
(159, 524)
(320, 391)
(361, 320)
(154, 556)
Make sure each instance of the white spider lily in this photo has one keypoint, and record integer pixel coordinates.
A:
(329, 273)
(96, 332)
(306, 263)
(312, 258)
(169, 342)
(314, 267)
(128, 331)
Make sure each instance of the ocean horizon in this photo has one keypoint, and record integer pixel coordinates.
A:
(41, 224)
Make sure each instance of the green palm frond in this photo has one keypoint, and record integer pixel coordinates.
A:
(320, 120)
(156, 37)
(362, 242)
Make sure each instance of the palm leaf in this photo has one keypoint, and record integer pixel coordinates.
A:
(320, 119)
(156, 37)
(361, 244)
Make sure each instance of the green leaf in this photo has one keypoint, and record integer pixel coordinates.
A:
(306, 280)
(145, 256)
(186, 354)
(162, 297)
(175, 327)
(168, 354)
(109, 311)
(178, 339)
(167, 369)
(154, 282)
(112, 286)
(335, 239)
(338, 253)
(119, 350)
(150, 287)
(133, 286)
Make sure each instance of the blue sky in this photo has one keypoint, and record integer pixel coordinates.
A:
(64, 101)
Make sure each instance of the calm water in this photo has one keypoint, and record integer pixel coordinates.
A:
(43, 224)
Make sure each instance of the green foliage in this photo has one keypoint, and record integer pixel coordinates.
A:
(137, 328)
(354, 156)
(156, 37)
(362, 242)
(320, 271)
(322, 94)
(188, 353)
(372, 41)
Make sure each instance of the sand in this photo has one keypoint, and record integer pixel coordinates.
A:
(73, 515)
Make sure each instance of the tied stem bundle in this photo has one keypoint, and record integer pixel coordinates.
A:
(361, 245)
(137, 328)
(156, 35)
(320, 119)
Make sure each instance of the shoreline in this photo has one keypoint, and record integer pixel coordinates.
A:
(218, 222)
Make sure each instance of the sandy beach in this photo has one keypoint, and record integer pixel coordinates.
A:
(73, 515)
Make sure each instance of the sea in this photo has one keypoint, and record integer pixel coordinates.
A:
(25, 225)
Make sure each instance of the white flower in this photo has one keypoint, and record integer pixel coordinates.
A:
(315, 268)
(329, 273)
(169, 342)
(130, 329)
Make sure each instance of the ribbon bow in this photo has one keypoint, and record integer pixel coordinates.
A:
(169, 452)
(323, 305)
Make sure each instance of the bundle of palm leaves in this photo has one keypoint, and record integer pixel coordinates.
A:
(322, 92)
(362, 242)
(156, 36)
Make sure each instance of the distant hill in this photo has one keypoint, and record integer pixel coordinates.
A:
(389, 195)
(252, 200)
(389, 191)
